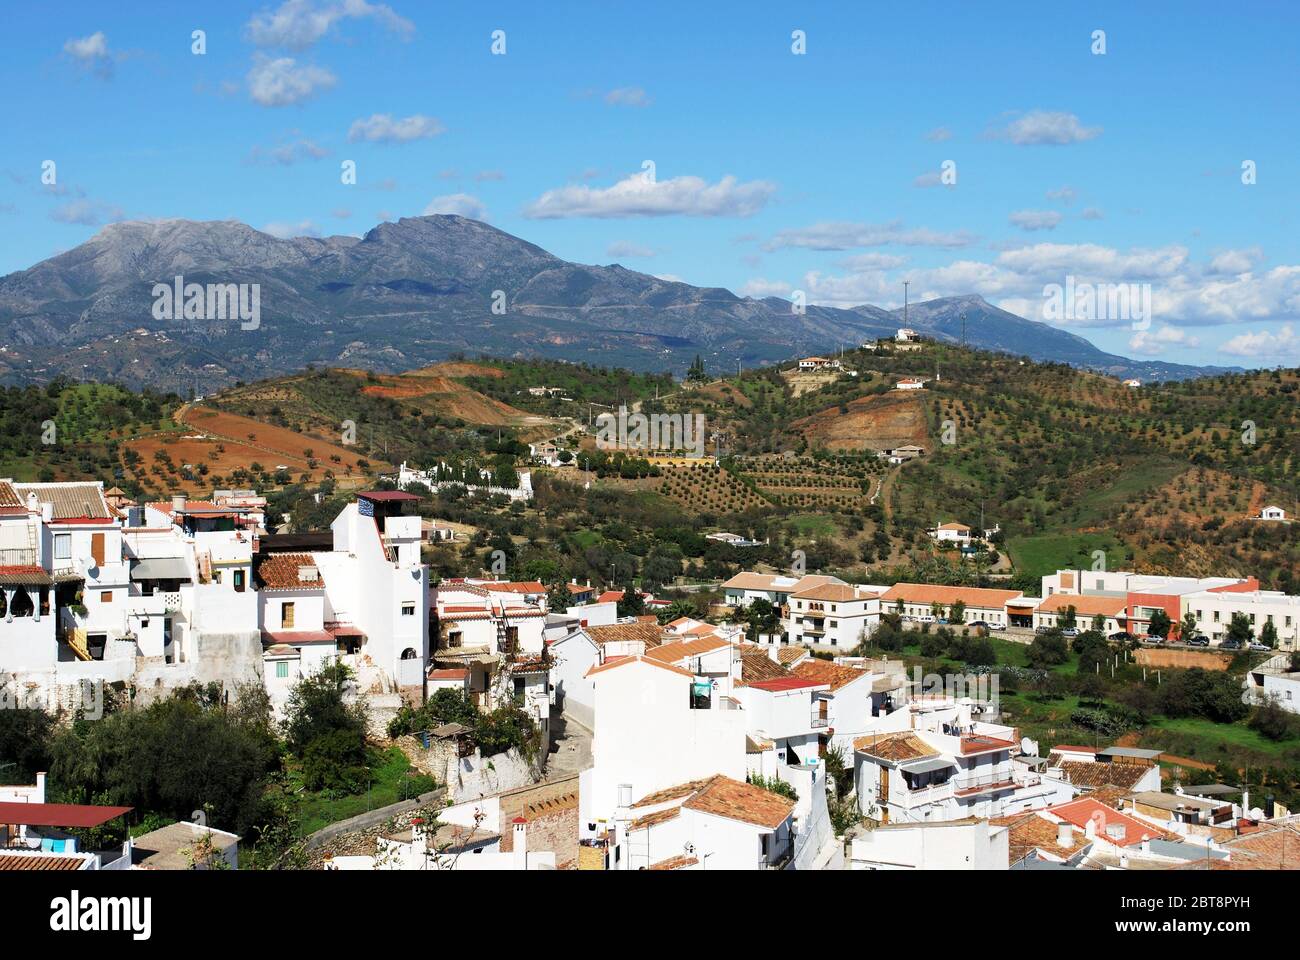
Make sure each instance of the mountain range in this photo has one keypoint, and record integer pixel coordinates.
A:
(427, 288)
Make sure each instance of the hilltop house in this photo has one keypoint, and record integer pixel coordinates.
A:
(957, 533)
(911, 383)
(819, 363)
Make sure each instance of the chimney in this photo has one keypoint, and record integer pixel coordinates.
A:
(1090, 831)
(47, 513)
(1064, 835)
(1146, 844)
(33, 502)
(1123, 861)
(1245, 800)
(520, 850)
(178, 503)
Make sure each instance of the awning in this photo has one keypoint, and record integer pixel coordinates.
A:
(58, 814)
(927, 765)
(161, 568)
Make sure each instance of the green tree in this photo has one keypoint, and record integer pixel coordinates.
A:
(1160, 624)
(1239, 630)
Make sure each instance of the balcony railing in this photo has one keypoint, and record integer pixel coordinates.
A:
(818, 720)
(18, 557)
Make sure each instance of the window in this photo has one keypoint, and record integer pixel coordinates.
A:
(286, 615)
(106, 596)
(282, 669)
(144, 623)
(239, 581)
(1216, 616)
(216, 576)
(63, 546)
(408, 609)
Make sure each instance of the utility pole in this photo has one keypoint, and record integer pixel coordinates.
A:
(905, 284)
(963, 328)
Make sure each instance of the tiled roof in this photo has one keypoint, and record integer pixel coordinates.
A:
(448, 674)
(894, 747)
(1088, 809)
(723, 797)
(823, 671)
(930, 593)
(757, 666)
(679, 862)
(36, 861)
(24, 575)
(72, 501)
(615, 662)
(683, 649)
(8, 496)
(1276, 848)
(789, 656)
(782, 684)
(651, 633)
(516, 586)
(676, 792)
(1090, 776)
(1027, 832)
(656, 818)
(279, 571)
(1085, 605)
(952, 526)
(834, 592)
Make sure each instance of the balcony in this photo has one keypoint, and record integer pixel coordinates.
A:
(918, 796)
(972, 785)
(18, 557)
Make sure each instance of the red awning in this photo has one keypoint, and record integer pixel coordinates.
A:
(58, 814)
(296, 638)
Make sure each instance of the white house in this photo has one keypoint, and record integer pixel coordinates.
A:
(948, 767)
(906, 335)
(832, 615)
(911, 383)
(953, 845)
(951, 533)
(1272, 513)
(716, 823)
(819, 363)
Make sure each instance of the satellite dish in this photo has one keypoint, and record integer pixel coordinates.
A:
(88, 564)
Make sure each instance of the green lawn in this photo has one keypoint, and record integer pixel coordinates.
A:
(811, 525)
(1047, 553)
(392, 782)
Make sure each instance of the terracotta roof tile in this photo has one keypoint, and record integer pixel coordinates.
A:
(894, 747)
(724, 797)
(279, 571)
(946, 596)
(823, 671)
(1090, 776)
(757, 666)
(651, 633)
(679, 862)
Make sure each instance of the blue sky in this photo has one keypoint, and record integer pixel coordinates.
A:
(773, 171)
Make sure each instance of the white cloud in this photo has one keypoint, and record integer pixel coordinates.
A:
(866, 262)
(620, 249)
(285, 230)
(1182, 291)
(1236, 261)
(383, 128)
(939, 135)
(1047, 127)
(638, 196)
(92, 53)
(628, 97)
(1066, 194)
(1152, 343)
(931, 179)
(298, 24)
(1031, 220)
(461, 204)
(288, 153)
(283, 81)
(86, 213)
(847, 236)
(1264, 346)
(760, 287)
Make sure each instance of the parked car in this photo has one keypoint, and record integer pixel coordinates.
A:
(1121, 637)
(1260, 647)
(978, 623)
(925, 619)
(1070, 632)
(1152, 641)
(997, 626)
(1229, 645)
(1198, 642)
(1041, 630)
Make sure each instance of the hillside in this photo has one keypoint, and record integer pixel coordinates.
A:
(421, 290)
